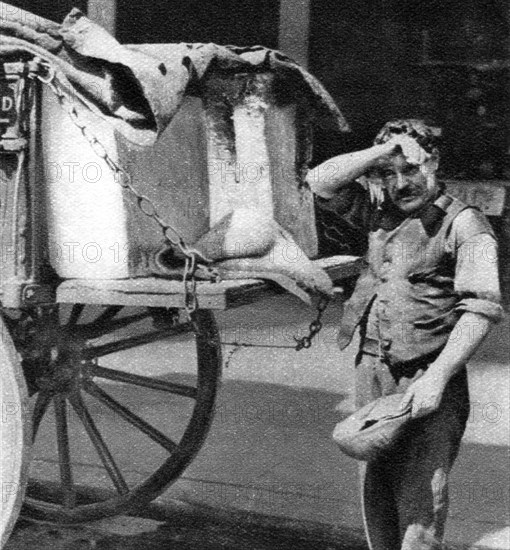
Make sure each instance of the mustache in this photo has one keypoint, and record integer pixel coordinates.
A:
(408, 192)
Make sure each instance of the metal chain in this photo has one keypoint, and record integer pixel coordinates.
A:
(301, 343)
(124, 179)
(315, 326)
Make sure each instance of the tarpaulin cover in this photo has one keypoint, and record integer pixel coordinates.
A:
(135, 91)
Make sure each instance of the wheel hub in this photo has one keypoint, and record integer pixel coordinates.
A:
(54, 361)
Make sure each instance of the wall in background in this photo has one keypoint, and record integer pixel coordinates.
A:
(246, 23)
(443, 60)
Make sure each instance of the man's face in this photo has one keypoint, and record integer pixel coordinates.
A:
(409, 186)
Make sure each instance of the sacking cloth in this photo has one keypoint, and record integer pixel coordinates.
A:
(136, 92)
(248, 243)
(373, 430)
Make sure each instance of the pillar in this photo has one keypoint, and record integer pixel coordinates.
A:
(294, 29)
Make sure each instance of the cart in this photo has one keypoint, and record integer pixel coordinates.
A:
(69, 389)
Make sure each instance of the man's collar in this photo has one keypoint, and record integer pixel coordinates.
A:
(431, 214)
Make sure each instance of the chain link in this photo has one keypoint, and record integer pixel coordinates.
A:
(315, 326)
(301, 343)
(123, 178)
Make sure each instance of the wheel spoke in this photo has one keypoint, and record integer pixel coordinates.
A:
(135, 341)
(76, 311)
(41, 404)
(95, 329)
(98, 442)
(108, 314)
(144, 381)
(64, 452)
(130, 417)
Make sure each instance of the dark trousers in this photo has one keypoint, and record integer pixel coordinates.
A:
(405, 494)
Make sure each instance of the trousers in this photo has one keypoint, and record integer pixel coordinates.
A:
(405, 493)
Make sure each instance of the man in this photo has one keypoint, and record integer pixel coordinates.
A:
(423, 305)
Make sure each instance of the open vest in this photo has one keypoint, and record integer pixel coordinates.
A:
(411, 271)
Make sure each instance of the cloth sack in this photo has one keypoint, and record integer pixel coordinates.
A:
(248, 243)
(374, 429)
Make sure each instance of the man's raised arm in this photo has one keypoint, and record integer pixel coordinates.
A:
(333, 174)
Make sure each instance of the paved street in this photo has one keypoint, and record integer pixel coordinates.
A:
(183, 527)
(269, 458)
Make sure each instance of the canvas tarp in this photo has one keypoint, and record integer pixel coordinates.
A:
(135, 91)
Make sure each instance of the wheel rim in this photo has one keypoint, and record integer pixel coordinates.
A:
(85, 412)
(14, 435)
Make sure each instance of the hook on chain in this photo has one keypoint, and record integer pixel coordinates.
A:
(315, 326)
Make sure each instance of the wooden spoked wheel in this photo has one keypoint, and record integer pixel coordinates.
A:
(15, 432)
(115, 420)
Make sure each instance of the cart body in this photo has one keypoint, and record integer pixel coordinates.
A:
(71, 238)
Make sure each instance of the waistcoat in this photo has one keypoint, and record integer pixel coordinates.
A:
(411, 271)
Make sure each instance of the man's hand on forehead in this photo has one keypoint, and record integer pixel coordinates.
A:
(409, 147)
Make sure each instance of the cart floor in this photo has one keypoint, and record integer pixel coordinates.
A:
(158, 292)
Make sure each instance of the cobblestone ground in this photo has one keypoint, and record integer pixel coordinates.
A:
(183, 533)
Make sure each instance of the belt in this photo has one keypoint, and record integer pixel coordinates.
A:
(406, 368)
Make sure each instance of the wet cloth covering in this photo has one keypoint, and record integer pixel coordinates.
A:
(135, 91)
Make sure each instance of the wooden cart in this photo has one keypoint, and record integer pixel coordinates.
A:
(67, 385)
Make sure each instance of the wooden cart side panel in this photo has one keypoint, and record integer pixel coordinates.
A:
(173, 175)
(86, 220)
(8, 239)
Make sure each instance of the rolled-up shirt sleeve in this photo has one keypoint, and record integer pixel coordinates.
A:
(476, 271)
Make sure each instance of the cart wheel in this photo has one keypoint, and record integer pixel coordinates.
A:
(15, 434)
(115, 420)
